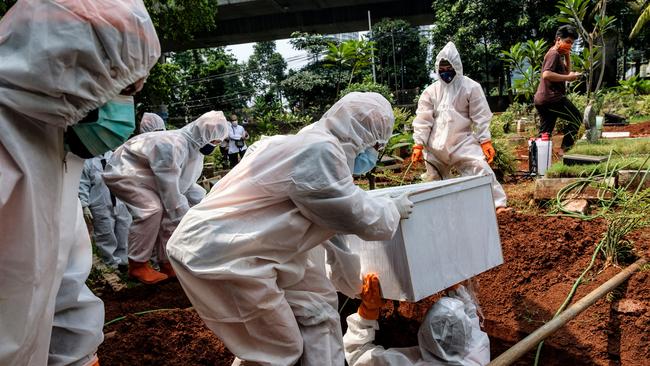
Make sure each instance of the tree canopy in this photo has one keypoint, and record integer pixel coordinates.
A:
(401, 55)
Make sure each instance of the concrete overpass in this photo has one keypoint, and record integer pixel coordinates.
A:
(243, 21)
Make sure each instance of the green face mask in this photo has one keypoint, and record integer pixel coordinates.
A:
(103, 129)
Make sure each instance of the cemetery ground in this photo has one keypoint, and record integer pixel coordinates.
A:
(544, 253)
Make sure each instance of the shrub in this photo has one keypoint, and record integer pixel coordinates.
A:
(369, 86)
(627, 105)
(634, 86)
(505, 162)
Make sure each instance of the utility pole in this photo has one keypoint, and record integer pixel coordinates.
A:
(372, 50)
(392, 39)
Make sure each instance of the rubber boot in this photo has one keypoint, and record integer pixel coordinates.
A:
(143, 272)
(503, 209)
(93, 362)
(166, 268)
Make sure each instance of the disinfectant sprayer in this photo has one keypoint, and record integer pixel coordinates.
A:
(539, 154)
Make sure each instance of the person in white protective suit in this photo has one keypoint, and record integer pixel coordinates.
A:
(241, 255)
(61, 60)
(452, 126)
(109, 216)
(449, 335)
(78, 313)
(152, 173)
(151, 122)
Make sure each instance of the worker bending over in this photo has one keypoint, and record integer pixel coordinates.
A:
(241, 255)
(153, 173)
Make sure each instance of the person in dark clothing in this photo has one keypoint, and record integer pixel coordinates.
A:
(550, 99)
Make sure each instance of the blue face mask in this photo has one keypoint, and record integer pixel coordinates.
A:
(447, 76)
(365, 161)
(207, 149)
(103, 129)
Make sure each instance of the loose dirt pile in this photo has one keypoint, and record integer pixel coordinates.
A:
(636, 130)
(543, 256)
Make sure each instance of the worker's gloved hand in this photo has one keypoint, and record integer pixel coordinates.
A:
(403, 204)
(87, 214)
(416, 155)
(488, 151)
(371, 300)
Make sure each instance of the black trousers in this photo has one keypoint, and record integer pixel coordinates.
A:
(224, 157)
(563, 108)
(234, 158)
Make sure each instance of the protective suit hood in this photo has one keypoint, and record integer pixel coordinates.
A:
(450, 53)
(357, 120)
(151, 122)
(210, 126)
(62, 59)
(445, 333)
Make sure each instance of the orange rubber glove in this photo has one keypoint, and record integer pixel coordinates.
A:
(371, 300)
(416, 155)
(488, 151)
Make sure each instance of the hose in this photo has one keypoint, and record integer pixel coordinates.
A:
(120, 318)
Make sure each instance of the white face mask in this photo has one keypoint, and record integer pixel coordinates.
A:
(234, 123)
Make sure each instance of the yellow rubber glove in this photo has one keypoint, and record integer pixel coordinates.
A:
(371, 300)
(416, 155)
(488, 151)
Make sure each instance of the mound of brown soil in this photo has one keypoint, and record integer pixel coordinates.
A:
(636, 130)
(176, 337)
(543, 256)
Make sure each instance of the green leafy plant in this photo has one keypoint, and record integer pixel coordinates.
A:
(626, 104)
(505, 162)
(352, 55)
(525, 58)
(179, 20)
(576, 12)
(401, 137)
(641, 22)
(369, 86)
(634, 86)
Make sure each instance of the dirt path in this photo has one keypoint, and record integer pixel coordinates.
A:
(543, 255)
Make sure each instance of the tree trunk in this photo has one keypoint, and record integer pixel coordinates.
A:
(501, 82)
(625, 51)
(509, 82)
(611, 64)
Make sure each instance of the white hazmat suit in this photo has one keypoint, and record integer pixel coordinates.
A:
(241, 255)
(449, 335)
(111, 219)
(452, 119)
(151, 122)
(78, 313)
(153, 172)
(60, 60)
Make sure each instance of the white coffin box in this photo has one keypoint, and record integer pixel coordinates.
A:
(452, 235)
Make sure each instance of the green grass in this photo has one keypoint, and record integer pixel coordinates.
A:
(623, 147)
(639, 119)
(559, 170)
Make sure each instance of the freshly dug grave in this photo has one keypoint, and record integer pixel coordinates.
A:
(641, 129)
(543, 256)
